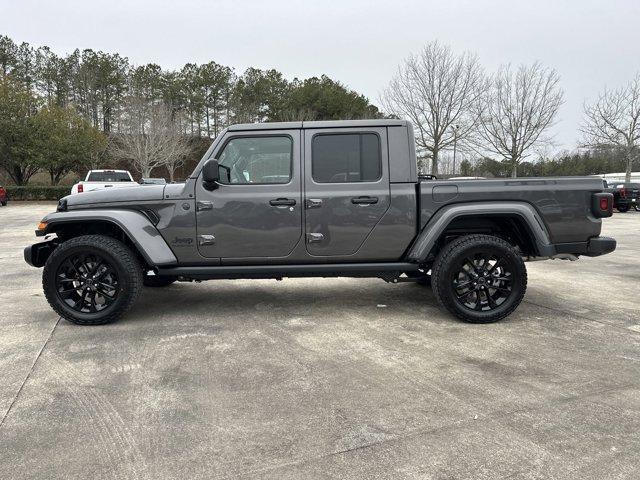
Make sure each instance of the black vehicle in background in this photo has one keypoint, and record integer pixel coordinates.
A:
(625, 195)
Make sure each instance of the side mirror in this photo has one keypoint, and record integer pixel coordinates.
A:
(210, 174)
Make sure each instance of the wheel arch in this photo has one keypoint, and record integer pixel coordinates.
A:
(517, 222)
(131, 227)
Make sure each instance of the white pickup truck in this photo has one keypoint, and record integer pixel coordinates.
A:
(100, 179)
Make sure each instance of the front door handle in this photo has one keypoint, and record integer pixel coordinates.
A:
(364, 200)
(206, 240)
(282, 202)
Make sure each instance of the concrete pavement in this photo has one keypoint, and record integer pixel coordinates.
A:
(315, 378)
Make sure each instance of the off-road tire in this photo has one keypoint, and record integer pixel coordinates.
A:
(121, 259)
(157, 281)
(623, 208)
(446, 264)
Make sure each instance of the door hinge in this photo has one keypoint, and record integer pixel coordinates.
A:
(204, 206)
(314, 237)
(206, 239)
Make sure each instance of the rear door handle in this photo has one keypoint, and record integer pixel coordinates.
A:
(200, 206)
(364, 200)
(282, 202)
(314, 203)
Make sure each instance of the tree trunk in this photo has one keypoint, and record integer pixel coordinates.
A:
(514, 171)
(627, 176)
(208, 123)
(434, 162)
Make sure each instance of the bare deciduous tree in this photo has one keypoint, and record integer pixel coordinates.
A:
(614, 121)
(151, 137)
(517, 109)
(436, 90)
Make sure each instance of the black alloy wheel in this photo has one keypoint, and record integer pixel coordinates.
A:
(479, 278)
(92, 279)
(483, 281)
(87, 283)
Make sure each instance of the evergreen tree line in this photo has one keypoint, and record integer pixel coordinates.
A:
(91, 109)
(60, 114)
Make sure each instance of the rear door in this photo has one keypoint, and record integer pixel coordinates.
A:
(346, 183)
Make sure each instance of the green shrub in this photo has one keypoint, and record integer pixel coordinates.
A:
(37, 192)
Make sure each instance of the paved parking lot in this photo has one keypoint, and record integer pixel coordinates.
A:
(343, 378)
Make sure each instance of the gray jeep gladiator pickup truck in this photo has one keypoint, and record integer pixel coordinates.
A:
(316, 199)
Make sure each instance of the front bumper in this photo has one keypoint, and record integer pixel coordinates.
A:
(36, 255)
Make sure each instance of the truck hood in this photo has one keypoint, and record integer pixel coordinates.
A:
(116, 195)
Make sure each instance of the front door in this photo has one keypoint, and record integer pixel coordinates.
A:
(346, 188)
(256, 209)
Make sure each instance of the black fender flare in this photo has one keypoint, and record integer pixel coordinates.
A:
(135, 225)
(438, 223)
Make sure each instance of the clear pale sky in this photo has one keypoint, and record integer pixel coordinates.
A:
(590, 43)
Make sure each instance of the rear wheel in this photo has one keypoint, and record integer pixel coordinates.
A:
(92, 279)
(623, 208)
(479, 278)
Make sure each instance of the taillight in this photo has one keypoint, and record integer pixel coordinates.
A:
(80, 188)
(604, 203)
(623, 192)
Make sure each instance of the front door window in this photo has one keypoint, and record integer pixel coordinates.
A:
(255, 160)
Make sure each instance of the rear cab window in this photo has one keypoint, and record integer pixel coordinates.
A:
(346, 157)
(109, 177)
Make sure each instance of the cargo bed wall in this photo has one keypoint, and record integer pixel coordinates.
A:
(563, 203)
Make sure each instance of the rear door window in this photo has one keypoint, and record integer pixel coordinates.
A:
(343, 158)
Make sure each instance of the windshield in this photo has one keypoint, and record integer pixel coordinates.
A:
(109, 177)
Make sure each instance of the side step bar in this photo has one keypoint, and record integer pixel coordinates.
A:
(279, 271)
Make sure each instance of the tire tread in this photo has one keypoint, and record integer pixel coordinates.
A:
(447, 255)
(115, 248)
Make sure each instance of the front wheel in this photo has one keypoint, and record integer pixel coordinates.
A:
(623, 208)
(92, 279)
(479, 278)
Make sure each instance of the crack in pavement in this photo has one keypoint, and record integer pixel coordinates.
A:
(497, 416)
(29, 373)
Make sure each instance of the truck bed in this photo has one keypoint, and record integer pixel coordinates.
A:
(562, 202)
